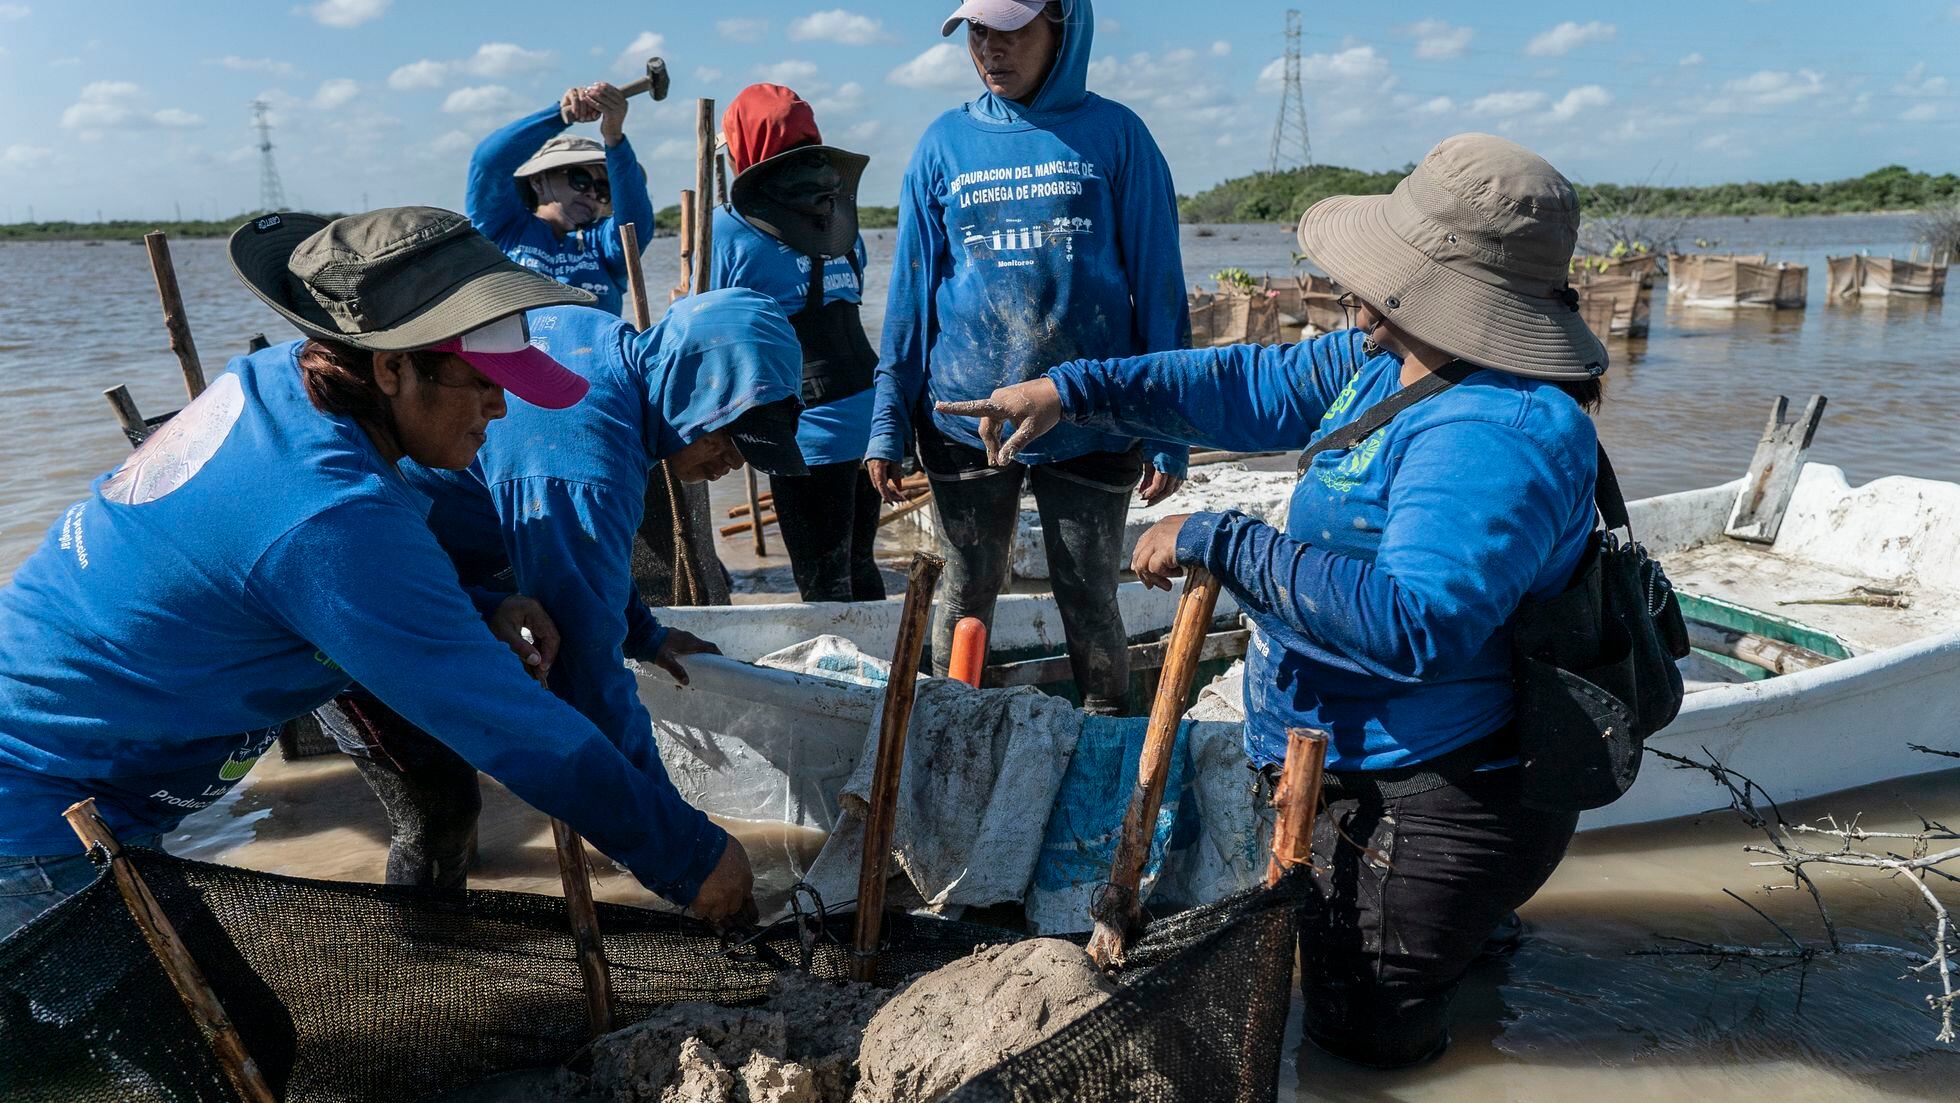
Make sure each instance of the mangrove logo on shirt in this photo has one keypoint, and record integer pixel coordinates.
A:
(179, 450)
(1012, 242)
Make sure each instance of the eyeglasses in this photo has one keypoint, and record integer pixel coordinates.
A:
(1349, 302)
(583, 182)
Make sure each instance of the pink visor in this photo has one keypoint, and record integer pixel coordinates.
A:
(502, 351)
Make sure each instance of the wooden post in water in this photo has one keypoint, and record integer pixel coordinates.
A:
(1117, 907)
(173, 311)
(173, 955)
(127, 416)
(1298, 801)
(576, 878)
(704, 190)
(636, 283)
(893, 725)
(686, 283)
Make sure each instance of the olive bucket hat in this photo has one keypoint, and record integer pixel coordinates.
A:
(407, 278)
(1470, 253)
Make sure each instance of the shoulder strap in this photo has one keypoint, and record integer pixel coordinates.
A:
(1606, 494)
(1381, 413)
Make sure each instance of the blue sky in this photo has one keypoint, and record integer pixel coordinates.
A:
(140, 109)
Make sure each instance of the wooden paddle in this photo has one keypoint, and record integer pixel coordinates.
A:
(1116, 908)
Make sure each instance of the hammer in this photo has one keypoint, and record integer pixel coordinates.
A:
(654, 82)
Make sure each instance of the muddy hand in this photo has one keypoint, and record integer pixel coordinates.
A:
(1034, 407)
(885, 480)
(1157, 485)
(727, 897)
(527, 630)
(1155, 561)
(681, 642)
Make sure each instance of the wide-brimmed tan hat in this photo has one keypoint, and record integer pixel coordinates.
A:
(563, 151)
(397, 279)
(1469, 253)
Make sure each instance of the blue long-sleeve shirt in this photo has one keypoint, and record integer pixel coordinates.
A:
(244, 566)
(567, 488)
(1380, 612)
(1028, 237)
(592, 258)
(835, 432)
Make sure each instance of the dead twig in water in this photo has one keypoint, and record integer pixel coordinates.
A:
(1788, 850)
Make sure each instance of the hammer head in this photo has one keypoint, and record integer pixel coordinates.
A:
(657, 81)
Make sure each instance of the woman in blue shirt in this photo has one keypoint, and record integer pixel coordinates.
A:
(261, 551)
(829, 516)
(1380, 612)
(1037, 224)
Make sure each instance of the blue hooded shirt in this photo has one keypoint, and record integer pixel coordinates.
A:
(835, 432)
(1029, 236)
(591, 259)
(245, 565)
(566, 490)
(1380, 612)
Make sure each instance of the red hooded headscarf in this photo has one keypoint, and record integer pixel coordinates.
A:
(764, 120)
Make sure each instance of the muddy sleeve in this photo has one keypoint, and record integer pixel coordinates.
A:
(492, 200)
(910, 324)
(405, 630)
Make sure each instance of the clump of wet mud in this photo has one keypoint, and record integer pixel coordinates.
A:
(815, 1041)
(951, 1024)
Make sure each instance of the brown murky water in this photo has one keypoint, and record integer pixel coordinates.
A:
(1573, 1015)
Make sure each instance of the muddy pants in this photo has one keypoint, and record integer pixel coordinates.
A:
(1410, 886)
(428, 791)
(1084, 503)
(829, 520)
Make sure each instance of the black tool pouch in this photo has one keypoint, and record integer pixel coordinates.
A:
(838, 360)
(1595, 669)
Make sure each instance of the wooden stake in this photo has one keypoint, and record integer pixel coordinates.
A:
(892, 729)
(704, 190)
(576, 876)
(1298, 801)
(126, 413)
(686, 284)
(721, 178)
(173, 955)
(173, 311)
(755, 510)
(1117, 907)
(636, 283)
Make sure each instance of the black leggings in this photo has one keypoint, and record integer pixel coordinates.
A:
(1409, 889)
(829, 520)
(428, 791)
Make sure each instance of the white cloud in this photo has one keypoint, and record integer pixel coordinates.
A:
(743, 30)
(1568, 36)
(1437, 39)
(335, 93)
(792, 72)
(1579, 99)
(1920, 113)
(14, 11)
(1692, 60)
(25, 156)
(942, 66)
(1440, 105)
(1507, 103)
(482, 100)
(120, 105)
(344, 13)
(253, 65)
(1775, 87)
(1356, 65)
(1221, 48)
(1918, 85)
(707, 74)
(492, 61)
(633, 59)
(848, 98)
(419, 74)
(453, 142)
(864, 133)
(839, 26)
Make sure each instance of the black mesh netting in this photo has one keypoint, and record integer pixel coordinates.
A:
(350, 992)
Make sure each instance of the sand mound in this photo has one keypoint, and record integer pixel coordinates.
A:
(953, 1023)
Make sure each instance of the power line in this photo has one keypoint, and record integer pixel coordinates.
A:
(1291, 128)
(272, 194)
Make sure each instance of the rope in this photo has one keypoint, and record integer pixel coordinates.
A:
(685, 584)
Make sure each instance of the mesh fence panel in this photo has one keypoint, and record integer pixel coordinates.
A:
(349, 992)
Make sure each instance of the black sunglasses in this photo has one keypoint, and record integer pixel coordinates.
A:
(583, 182)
